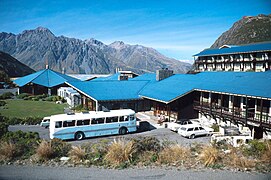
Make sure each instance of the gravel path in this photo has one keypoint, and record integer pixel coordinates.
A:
(39, 172)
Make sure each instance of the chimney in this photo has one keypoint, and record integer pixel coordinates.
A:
(163, 74)
(63, 70)
(47, 66)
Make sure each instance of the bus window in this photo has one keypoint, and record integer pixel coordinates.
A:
(123, 118)
(58, 124)
(83, 122)
(111, 119)
(132, 117)
(69, 123)
(99, 120)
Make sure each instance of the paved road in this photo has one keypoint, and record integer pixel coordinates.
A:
(162, 134)
(39, 172)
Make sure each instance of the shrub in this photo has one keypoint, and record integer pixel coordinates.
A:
(209, 155)
(2, 103)
(119, 153)
(255, 148)
(6, 95)
(237, 160)
(44, 151)
(3, 128)
(7, 151)
(53, 98)
(266, 155)
(22, 95)
(147, 157)
(26, 142)
(215, 127)
(77, 153)
(96, 152)
(61, 148)
(174, 154)
(149, 143)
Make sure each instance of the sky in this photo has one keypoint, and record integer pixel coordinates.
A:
(176, 28)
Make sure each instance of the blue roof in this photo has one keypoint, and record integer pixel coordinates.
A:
(145, 77)
(266, 46)
(110, 90)
(113, 77)
(46, 77)
(243, 83)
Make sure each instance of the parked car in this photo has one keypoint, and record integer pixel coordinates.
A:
(192, 130)
(174, 126)
(45, 122)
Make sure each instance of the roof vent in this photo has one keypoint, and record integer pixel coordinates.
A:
(163, 74)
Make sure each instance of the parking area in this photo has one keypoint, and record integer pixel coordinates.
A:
(160, 133)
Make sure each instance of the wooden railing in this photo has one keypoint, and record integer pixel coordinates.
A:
(234, 114)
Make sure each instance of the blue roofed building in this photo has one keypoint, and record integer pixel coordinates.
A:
(249, 57)
(44, 81)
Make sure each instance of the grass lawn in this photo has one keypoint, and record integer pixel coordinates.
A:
(23, 108)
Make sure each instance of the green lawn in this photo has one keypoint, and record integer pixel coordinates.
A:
(23, 108)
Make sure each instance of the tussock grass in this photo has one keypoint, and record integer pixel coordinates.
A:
(44, 151)
(120, 152)
(174, 154)
(7, 151)
(266, 156)
(209, 155)
(77, 153)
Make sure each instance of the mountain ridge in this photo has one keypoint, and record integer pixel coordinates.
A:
(249, 29)
(40, 46)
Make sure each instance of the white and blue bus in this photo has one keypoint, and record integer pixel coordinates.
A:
(93, 123)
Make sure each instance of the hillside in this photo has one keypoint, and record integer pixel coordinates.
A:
(247, 30)
(12, 67)
(39, 46)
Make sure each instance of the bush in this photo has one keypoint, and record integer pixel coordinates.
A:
(7, 151)
(6, 95)
(255, 148)
(77, 154)
(215, 127)
(174, 154)
(23, 95)
(44, 151)
(26, 142)
(209, 155)
(53, 98)
(61, 148)
(26, 120)
(266, 156)
(3, 128)
(149, 143)
(2, 103)
(120, 153)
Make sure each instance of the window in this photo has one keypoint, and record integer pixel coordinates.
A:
(190, 129)
(83, 122)
(123, 118)
(132, 117)
(201, 128)
(97, 121)
(196, 129)
(58, 124)
(111, 119)
(69, 123)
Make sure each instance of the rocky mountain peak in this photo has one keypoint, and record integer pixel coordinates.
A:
(249, 29)
(117, 44)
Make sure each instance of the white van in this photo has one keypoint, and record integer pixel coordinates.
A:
(45, 122)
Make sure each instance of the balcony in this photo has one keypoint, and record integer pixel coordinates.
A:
(235, 115)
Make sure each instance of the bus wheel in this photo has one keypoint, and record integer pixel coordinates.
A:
(122, 130)
(79, 135)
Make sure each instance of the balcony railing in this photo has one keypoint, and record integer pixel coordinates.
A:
(235, 114)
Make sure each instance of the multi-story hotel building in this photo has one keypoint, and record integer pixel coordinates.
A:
(251, 57)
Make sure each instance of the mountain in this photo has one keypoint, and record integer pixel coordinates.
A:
(12, 67)
(250, 29)
(40, 46)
